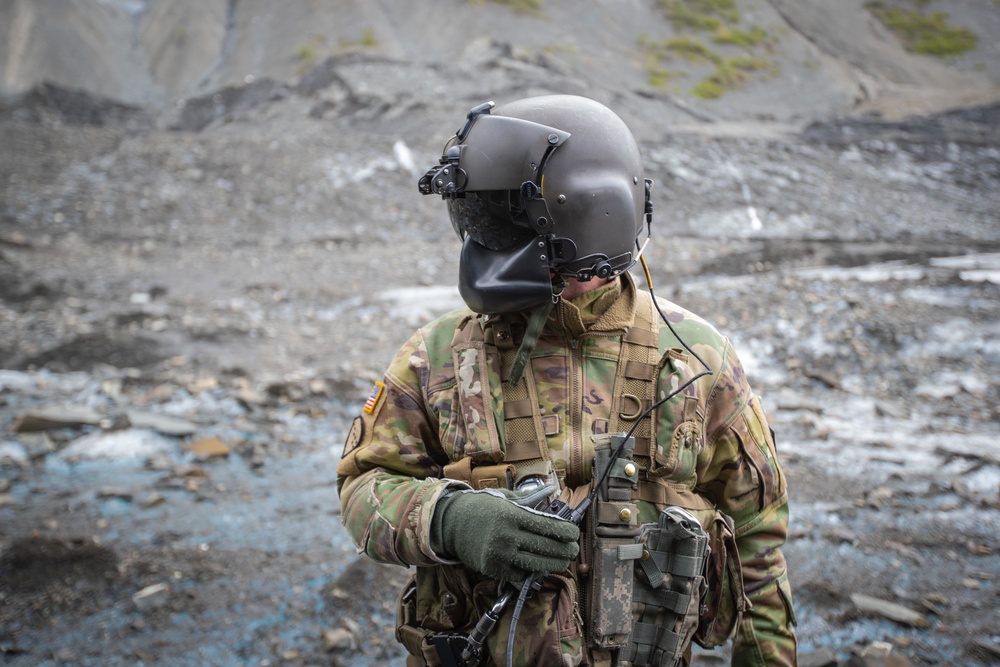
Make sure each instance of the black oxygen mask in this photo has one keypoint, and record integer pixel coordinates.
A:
(512, 280)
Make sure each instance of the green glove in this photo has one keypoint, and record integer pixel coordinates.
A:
(501, 539)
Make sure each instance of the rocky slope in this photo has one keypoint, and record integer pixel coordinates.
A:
(211, 242)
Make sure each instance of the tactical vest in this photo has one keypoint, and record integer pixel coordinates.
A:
(524, 450)
(486, 344)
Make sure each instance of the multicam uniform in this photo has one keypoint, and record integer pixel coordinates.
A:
(443, 420)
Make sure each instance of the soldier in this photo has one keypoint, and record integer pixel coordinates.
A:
(578, 471)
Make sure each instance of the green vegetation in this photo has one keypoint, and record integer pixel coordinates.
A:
(317, 45)
(701, 14)
(520, 6)
(306, 55)
(720, 19)
(728, 73)
(367, 41)
(691, 50)
(927, 34)
(684, 18)
(727, 35)
(658, 52)
(568, 49)
(660, 77)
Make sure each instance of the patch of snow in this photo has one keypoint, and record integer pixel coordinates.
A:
(118, 445)
(417, 305)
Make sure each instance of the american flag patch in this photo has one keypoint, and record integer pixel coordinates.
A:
(373, 397)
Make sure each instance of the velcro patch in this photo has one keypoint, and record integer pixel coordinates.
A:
(354, 435)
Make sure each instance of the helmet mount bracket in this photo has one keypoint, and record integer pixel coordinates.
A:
(474, 113)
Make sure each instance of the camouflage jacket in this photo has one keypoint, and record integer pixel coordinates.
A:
(441, 405)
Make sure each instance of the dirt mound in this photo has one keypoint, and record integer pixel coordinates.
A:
(44, 576)
(84, 352)
(34, 565)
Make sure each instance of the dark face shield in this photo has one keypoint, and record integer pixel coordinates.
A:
(491, 219)
(493, 169)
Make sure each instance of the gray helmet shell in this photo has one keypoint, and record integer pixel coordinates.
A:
(592, 184)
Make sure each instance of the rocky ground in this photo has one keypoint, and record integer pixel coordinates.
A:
(194, 302)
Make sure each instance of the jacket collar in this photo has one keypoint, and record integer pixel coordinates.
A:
(596, 315)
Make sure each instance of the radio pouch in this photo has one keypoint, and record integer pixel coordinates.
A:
(615, 526)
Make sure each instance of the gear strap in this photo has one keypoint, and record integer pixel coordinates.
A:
(668, 579)
(635, 384)
(531, 335)
(524, 449)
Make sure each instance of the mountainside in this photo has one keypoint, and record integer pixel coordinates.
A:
(802, 59)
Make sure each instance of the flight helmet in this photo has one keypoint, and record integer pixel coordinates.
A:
(541, 190)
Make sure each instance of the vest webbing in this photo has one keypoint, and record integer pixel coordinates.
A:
(635, 383)
(524, 433)
(634, 393)
(525, 440)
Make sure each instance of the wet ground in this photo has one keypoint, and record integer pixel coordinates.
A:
(856, 267)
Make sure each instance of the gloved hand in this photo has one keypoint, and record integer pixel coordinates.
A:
(501, 539)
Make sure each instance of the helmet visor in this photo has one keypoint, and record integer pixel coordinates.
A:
(493, 219)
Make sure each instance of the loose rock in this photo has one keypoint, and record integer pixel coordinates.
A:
(339, 639)
(161, 423)
(44, 419)
(822, 658)
(890, 610)
(152, 597)
(208, 448)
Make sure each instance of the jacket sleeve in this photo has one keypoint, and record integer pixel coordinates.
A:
(388, 476)
(741, 474)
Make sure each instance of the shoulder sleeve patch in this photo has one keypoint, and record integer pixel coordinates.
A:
(373, 398)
